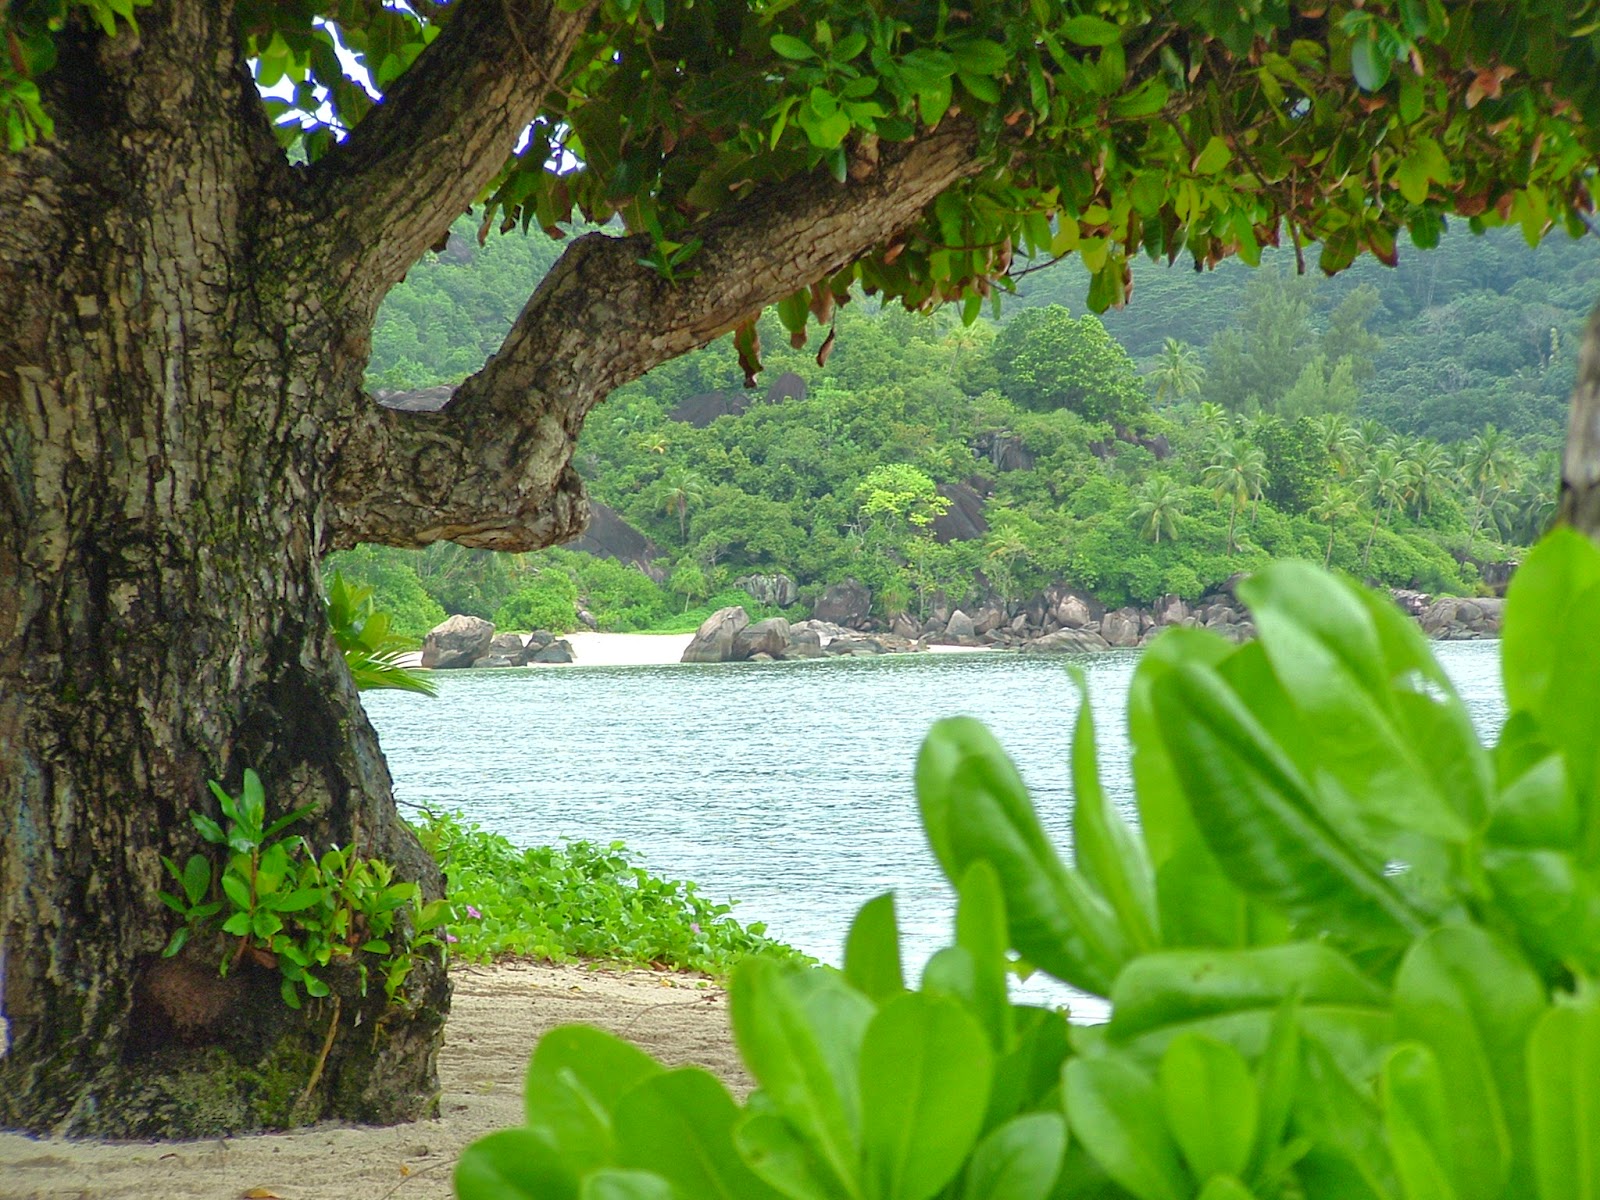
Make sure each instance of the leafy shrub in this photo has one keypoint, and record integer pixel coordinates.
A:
(581, 901)
(1351, 954)
(395, 586)
(549, 602)
(363, 633)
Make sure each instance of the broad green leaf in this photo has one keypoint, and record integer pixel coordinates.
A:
(1534, 806)
(1564, 1087)
(1225, 1187)
(1211, 1104)
(1553, 902)
(1025, 1076)
(791, 47)
(603, 1066)
(975, 807)
(612, 1184)
(784, 1159)
(1348, 1158)
(1347, 683)
(800, 1034)
(1277, 1077)
(1235, 995)
(1416, 1123)
(1551, 663)
(872, 951)
(1089, 30)
(981, 931)
(925, 1076)
(1018, 1161)
(1472, 1000)
(1261, 821)
(679, 1124)
(1216, 155)
(1114, 1110)
(1109, 854)
(514, 1164)
(196, 878)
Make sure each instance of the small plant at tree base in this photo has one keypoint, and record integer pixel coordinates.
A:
(278, 904)
(1350, 954)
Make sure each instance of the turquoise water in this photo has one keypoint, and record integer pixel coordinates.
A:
(785, 785)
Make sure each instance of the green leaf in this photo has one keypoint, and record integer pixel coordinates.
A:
(792, 47)
(1115, 1112)
(1369, 65)
(1089, 30)
(784, 1159)
(975, 807)
(600, 1066)
(237, 890)
(933, 101)
(679, 1124)
(196, 878)
(1564, 1087)
(1211, 1104)
(1018, 1161)
(1216, 155)
(982, 932)
(179, 939)
(979, 56)
(1473, 1001)
(1261, 821)
(1551, 664)
(800, 1034)
(872, 951)
(1109, 854)
(514, 1164)
(613, 1184)
(925, 1075)
(1416, 1123)
(300, 899)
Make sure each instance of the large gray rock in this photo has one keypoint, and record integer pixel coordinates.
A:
(1066, 641)
(717, 638)
(1171, 610)
(511, 645)
(1454, 619)
(556, 652)
(803, 643)
(905, 625)
(963, 519)
(988, 618)
(848, 603)
(769, 637)
(778, 590)
(1074, 612)
(493, 660)
(458, 641)
(1121, 627)
(960, 625)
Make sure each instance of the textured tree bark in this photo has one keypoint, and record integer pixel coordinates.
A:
(161, 615)
(1580, 468)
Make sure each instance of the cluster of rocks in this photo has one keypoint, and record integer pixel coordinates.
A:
(1064, 621)
(462, 641)
(728, 635)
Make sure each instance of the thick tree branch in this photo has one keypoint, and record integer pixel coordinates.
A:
(1580, 468)
(493, 468)
(442, 131)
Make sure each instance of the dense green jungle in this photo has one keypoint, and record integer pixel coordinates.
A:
(1400, 425)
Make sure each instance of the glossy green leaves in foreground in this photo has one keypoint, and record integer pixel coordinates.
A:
(1389, 996)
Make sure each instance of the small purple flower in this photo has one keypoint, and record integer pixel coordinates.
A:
(695, 925)
(474, 913)
(450, 937)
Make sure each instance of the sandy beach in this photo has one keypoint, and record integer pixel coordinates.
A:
(498, 1015)
(627, 649)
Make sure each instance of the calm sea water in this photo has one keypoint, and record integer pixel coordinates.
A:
(787, 786)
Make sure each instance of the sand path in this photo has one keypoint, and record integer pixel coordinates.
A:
(498, 1015)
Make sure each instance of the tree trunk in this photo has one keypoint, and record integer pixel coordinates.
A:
(1580, 468)
(161, 612)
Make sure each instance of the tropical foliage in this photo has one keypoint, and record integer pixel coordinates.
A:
(1348, 951)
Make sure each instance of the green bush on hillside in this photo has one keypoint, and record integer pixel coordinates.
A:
(549, 602)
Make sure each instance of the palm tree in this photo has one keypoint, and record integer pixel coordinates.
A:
(1385, 482)
(1339, 439)
(1158, 508)
(1334, 505)
(1177, 372)
(1430, 469)
(1237, 474)
(1491, 467)
(677, 491)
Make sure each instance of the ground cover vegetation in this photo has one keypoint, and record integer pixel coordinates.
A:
(1350, 953)
(190, 272)
(1354, 421)
(581, 901)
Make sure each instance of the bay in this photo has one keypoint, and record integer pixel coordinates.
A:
(785, 785)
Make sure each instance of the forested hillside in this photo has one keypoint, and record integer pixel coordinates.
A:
(1398, 424)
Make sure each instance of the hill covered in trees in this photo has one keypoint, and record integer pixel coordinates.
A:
(1400, 425)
